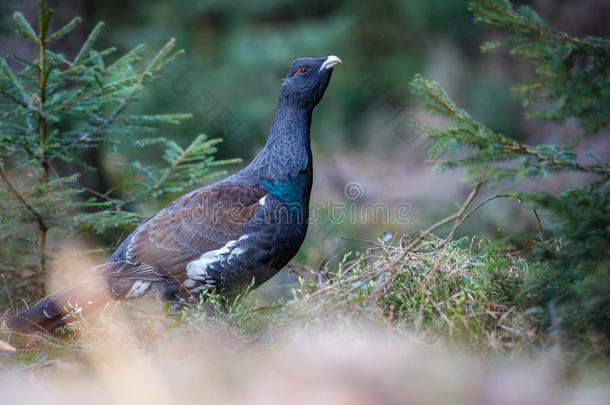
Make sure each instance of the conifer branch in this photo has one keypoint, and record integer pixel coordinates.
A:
(490, 146)
(85, 101)
(175, 164)
(572, 72)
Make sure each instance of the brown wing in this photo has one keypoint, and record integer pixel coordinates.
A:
(203, 220)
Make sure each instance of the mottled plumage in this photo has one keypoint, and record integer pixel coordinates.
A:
(240, 230)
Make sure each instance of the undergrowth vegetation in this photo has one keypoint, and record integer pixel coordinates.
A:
(464, 293)
(568, 289)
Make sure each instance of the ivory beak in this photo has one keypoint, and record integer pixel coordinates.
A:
(330, 62)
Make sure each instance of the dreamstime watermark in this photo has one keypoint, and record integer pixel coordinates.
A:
(352, 211)
(349, 210)
(205, 106)
(391, 110)
(394, 114)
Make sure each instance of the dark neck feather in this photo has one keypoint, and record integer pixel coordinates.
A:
(287, 152)
(290, 129)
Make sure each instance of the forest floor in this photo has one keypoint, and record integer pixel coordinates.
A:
(390, 325)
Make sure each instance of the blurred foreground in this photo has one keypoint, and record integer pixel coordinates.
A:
(442, 332)
(327, 365)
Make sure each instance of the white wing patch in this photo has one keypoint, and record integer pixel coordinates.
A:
(138, 288)
(262, 200)
(196, 270)
(236, 252)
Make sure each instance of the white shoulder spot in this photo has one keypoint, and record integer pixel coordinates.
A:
(263, 200)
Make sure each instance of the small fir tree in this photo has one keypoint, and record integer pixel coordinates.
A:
(54, 107)
(569, 288)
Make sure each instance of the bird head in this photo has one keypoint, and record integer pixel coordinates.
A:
(306, 81)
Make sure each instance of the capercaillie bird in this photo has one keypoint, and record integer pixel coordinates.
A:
(223, 236)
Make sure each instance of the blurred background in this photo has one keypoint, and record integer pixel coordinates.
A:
(366, 150)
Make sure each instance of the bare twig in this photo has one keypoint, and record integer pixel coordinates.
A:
(444, 221)
(370, 242)
(462, 220)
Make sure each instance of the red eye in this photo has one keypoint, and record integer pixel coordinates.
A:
(302, 70)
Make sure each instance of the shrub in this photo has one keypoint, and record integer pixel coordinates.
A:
(569, 289)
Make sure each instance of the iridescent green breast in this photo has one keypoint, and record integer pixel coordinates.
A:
(294, 190)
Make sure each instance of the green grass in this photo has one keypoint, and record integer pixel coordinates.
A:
(463, 293)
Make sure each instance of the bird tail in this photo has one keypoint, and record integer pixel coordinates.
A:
(61, 308)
